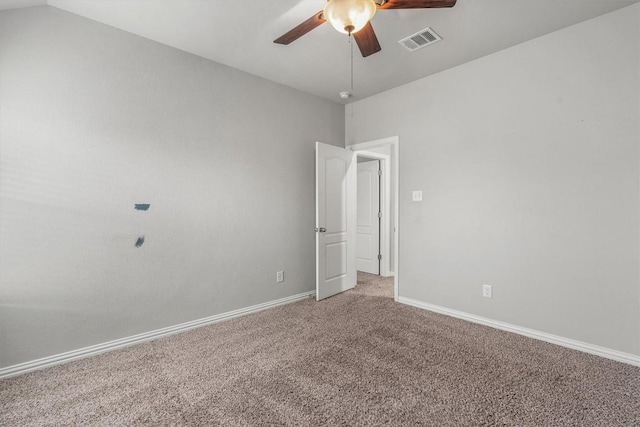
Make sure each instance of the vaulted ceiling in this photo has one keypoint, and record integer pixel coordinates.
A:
(240, 34)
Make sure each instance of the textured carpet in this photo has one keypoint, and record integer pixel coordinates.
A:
(350, 360)
(373, 285)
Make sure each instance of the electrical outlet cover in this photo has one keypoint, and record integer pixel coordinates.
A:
(486, 291)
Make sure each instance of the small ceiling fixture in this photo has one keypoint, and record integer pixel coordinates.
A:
(349, 16)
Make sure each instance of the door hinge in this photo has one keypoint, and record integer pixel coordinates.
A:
(379, 257)
(379, 172)
(379, 214)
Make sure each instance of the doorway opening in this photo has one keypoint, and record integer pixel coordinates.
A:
(372, 274)
(377, 212)
(336, 210)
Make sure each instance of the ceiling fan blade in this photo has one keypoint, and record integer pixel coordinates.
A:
(416, 4)
(301, 29)
(367, 40)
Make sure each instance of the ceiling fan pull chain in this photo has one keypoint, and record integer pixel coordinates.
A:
(351, 46)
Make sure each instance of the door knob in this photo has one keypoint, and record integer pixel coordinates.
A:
(321, 230)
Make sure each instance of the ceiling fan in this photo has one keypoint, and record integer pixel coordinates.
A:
(352, 17)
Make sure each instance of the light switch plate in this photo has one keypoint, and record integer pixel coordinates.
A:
(416, 196)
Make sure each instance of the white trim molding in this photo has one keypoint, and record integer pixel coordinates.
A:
(608, 353)
(58, 359)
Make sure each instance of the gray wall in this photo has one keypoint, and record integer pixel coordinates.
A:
(529, 164)
(93, 120)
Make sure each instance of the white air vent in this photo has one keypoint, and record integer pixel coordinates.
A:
(420, 39)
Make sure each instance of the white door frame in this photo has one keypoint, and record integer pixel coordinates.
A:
(394, 143)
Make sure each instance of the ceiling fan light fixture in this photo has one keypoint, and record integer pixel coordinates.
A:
(349, 16)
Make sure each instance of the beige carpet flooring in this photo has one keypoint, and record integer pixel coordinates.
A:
(373, 285)
(351, 360)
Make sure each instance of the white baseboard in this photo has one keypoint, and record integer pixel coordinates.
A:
(93, 350)
(608, 353)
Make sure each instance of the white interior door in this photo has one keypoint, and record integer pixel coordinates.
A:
(335, 220)
(368, 217)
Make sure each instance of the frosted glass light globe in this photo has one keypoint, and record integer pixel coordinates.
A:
(349, 16)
